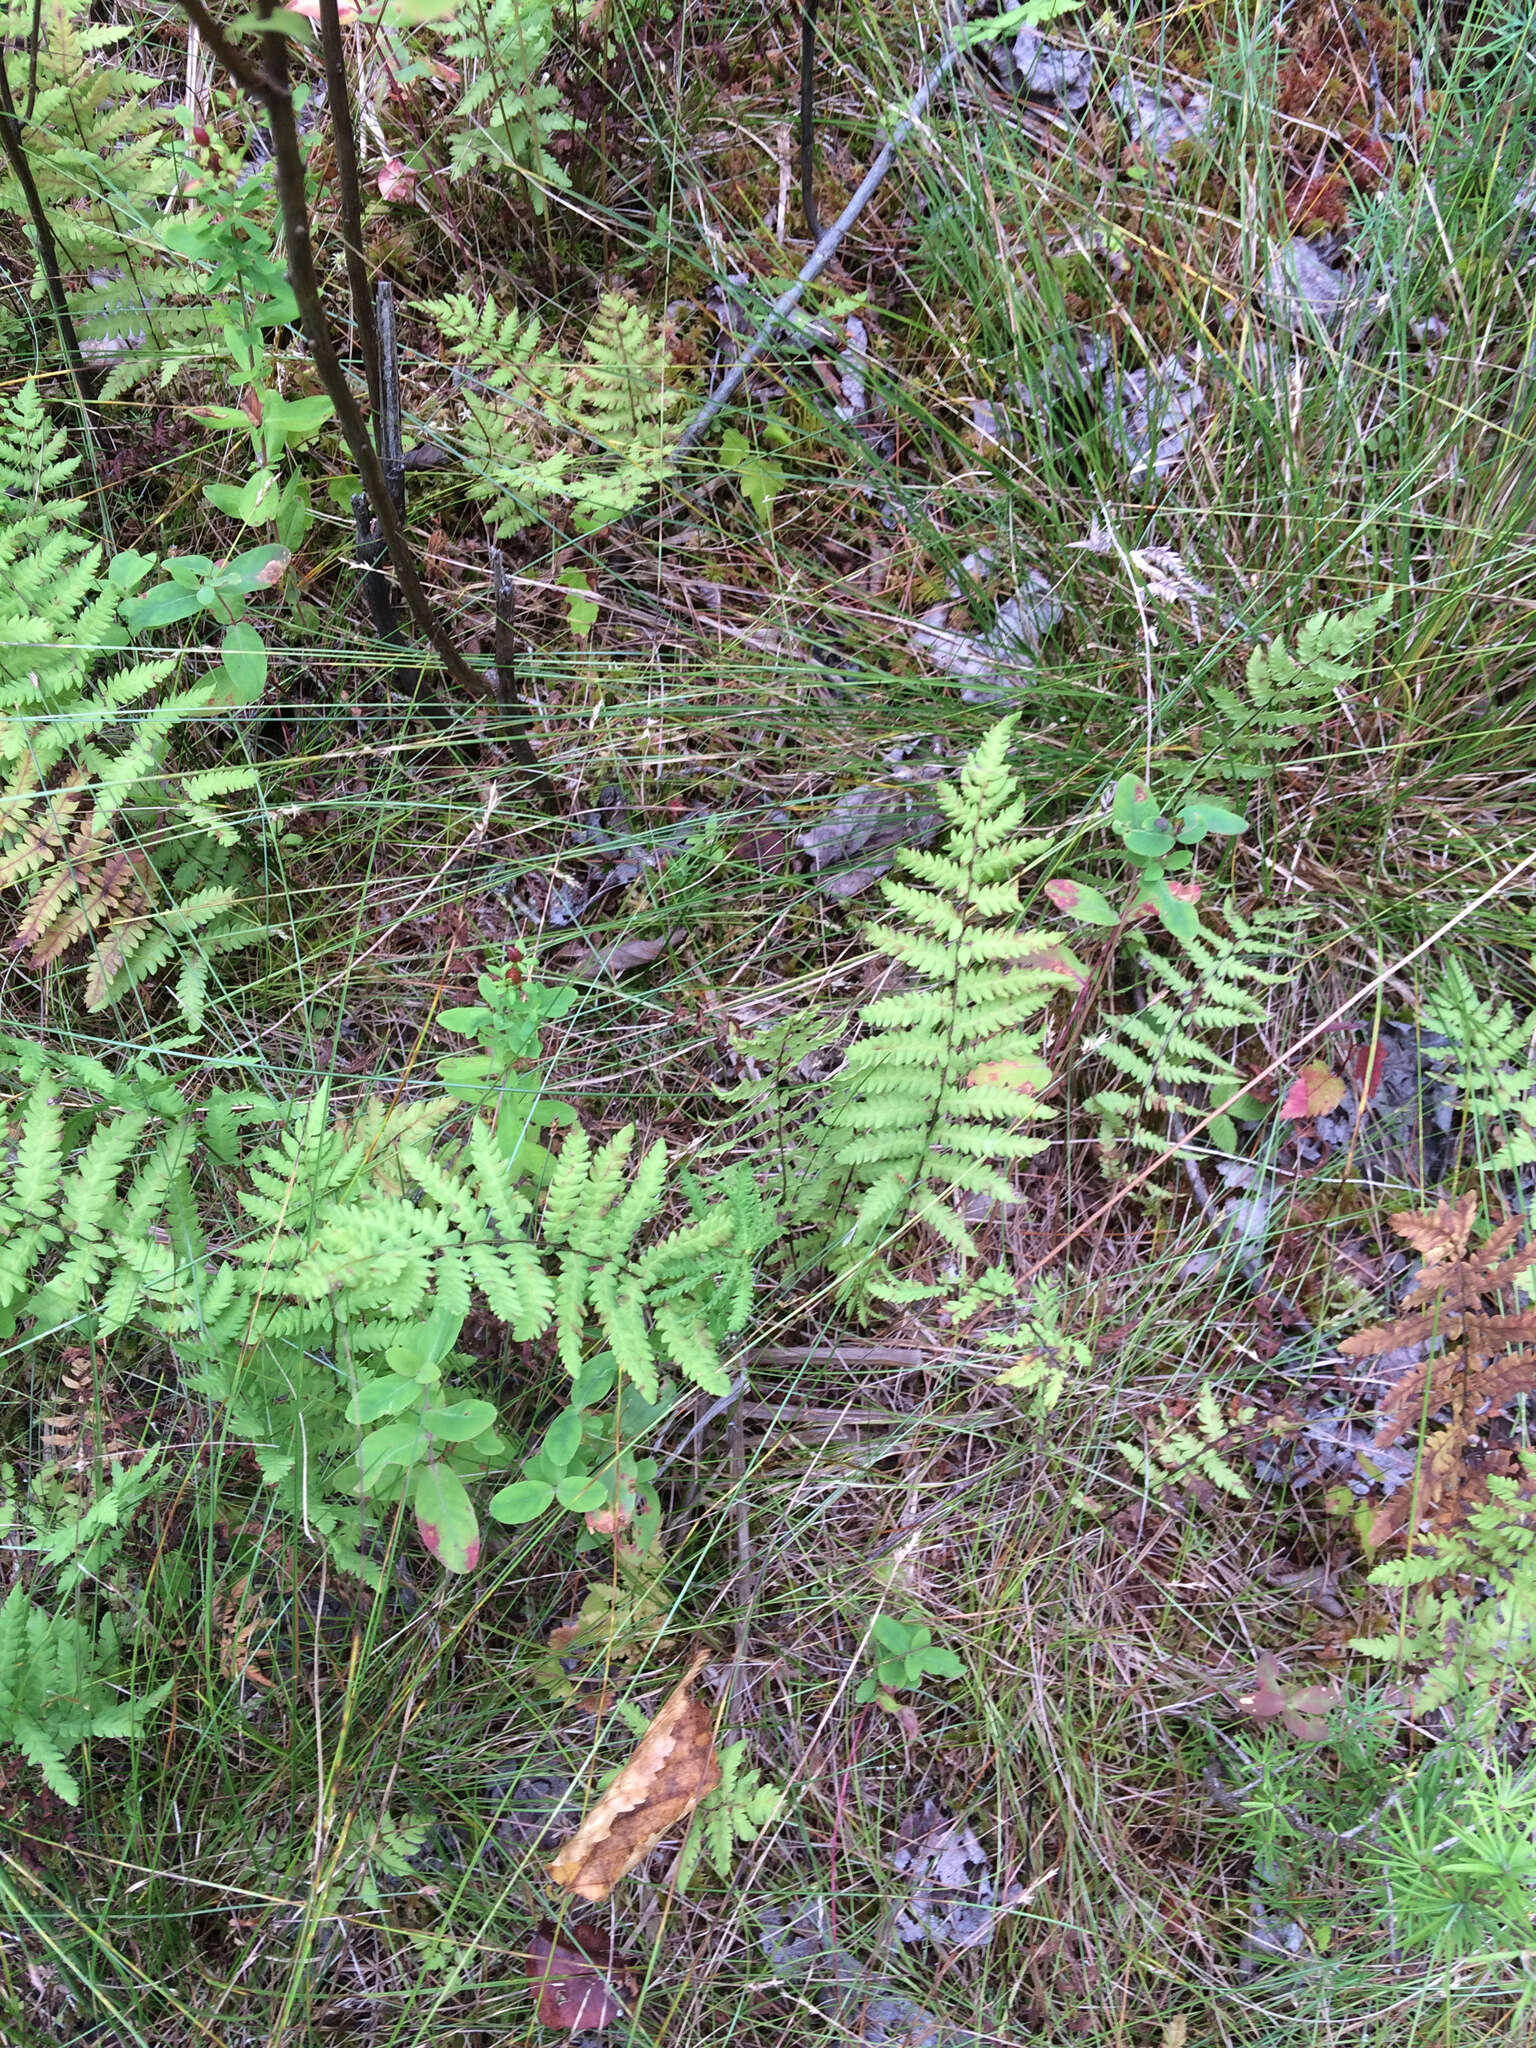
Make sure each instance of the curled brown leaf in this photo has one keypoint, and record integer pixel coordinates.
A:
(672, 1769)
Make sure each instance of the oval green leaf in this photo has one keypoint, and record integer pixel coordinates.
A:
(523, 1501)
(1201, 817)
(385, 1396)
(562, 1440)
(581, 1495)
(399, 1444)
(446, 1519)
(456, 1422)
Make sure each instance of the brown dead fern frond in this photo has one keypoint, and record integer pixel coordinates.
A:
(1463, 1314)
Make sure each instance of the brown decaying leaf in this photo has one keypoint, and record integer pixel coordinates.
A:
(620, 958)
(582, 1984)
(672, 1769)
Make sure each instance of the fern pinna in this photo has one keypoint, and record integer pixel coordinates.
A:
(1490, 1060)
(1167, 1054)
(935, 1095)
(54, 1693)
(85, 730)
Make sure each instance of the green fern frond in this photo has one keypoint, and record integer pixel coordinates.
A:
(1170, 1049)
(524, 412)
(74, 790)
(735, 1812)
(1477, 1634)
(53, 1689)
(935, 1098)
(1287, 693)
(1489, 1060)
(506, 113)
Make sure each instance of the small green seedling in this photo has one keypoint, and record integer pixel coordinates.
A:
(505, 1075)
(910, 1657)
(760, 477)
(428, 1440)
(194, 584)
(586, 1463)
(1156, 846)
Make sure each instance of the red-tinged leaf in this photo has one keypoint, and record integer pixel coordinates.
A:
(1365, 1067)
(446, 1519)
(1057, 960)
(1302, 1710)
(1020, 1075)
(396, 179)
(1315, 1091)
(580, 1982)
(250, 405)
(1307, 1715)
(1079, 900)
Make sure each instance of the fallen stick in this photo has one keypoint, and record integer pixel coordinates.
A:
(819, 257)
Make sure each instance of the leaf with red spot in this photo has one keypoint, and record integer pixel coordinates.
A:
(446, 1518)
(1079, 900)
(1174, 903)
(1316, 1091)
(1057, 959)
(1365, 1067)
(580, 1981)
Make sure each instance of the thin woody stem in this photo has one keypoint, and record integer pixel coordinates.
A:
(47, 248)
(269, 84)
(350, 193)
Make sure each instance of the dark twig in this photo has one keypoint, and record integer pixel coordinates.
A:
(84, 376)
(34, 40)
(268, 83)
(503, 648)
(378, 591)
(230, 55)
(391, 436)
(808, 117)
(349, 191)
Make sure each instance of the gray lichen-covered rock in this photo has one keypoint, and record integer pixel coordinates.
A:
(1151, 412)
(1300, 289)
(1158, 122)
(863, 826)
(1045, 70)
(996, 665)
